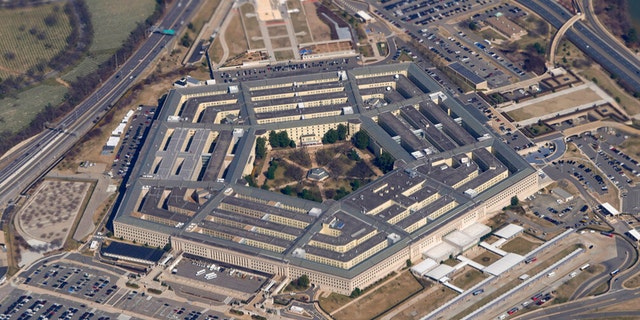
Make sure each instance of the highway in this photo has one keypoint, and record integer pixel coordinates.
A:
(608, 53)
(49, 146)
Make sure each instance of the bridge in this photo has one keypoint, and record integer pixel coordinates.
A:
(556, 38)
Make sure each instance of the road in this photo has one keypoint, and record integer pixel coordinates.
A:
(607, 52)
(49, 146)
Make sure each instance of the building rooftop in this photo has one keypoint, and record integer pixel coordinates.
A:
(184, 156)
(131, 251)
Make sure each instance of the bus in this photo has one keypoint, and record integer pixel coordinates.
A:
(584, 267)
(614, 272)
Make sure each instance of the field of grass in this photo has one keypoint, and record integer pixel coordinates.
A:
(383, 298)
(215, 51)
(204, 14)
(299, 22)
(26, 40)
(113, 20)
(564, 291)
(17, 113)
(630, 104)
(429, 302)
(468, 278)
(486, 258)
(283, 55)
(334, 301)
(235, 36)
(251, 26)
(519, 245)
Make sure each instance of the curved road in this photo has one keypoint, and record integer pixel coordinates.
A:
(608, 54)
(49, 146)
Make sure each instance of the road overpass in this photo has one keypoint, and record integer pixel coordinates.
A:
(556, 38)
(607, 53)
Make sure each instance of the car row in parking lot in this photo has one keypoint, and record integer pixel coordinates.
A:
(45, 307)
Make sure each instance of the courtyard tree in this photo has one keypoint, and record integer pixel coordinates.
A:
(384, 161)
(361, 140)
(330, 136)
(261, 148)
(342, 132)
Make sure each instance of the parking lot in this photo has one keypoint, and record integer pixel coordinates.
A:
(69, 279)
(132, 141)
(220, 275)
(27, 305)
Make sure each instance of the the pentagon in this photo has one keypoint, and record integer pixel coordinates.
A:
(188, 187)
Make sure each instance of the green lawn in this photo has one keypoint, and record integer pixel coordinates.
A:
(17, 113)
(113, 20)
(25, 39)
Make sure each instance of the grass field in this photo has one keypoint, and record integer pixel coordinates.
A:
(215, 51)
(468, 278)
(299, 22)
(383, 298)
(26, 40)
(113, 20)
(235, 36)
(429, 302)
(17, 113)
(203, 14)
(552, 105)
(319, 30)
(486, 258)
(283, 55)
(334, 301)
(280, 42)
(630, 104)
(519, 245)
(251, 27)
(564, 292)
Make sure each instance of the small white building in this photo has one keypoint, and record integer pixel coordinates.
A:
(509, 231)
(562, 194)
(423, 267)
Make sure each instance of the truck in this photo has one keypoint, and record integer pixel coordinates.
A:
(201, 272)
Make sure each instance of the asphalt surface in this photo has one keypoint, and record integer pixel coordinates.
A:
(606, 52)
(48, 147)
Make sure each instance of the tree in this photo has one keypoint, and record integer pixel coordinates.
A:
(355, 293)
(342, 132)
(330, 136)
(473, 26)
(361, 140)
(409, 263)
(303, 281)
(384, 162)
(515, 201)
(538, 48)
(186, 40)
(261, 148)
(288, 190)
(167, 247)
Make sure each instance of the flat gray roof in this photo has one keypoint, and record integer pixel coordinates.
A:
(451, 138)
